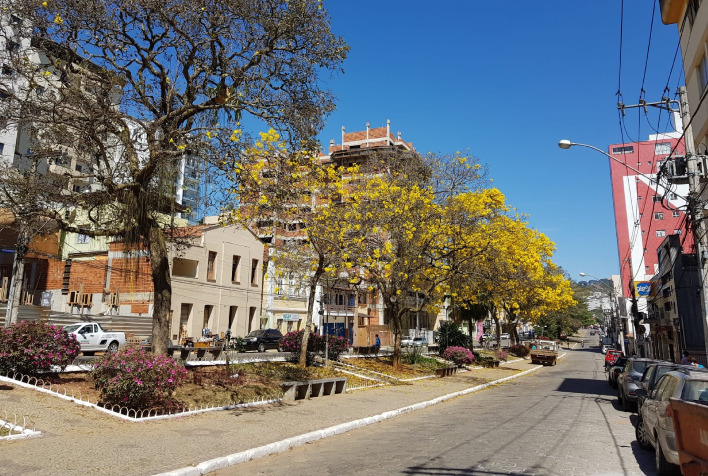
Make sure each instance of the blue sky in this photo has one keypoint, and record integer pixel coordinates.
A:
(507, 82)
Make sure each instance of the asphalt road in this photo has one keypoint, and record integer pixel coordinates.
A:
(560, 420)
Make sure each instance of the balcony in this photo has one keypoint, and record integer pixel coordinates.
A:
(671, 10)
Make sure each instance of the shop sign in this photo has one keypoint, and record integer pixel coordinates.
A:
(291, 317)
(643, 288)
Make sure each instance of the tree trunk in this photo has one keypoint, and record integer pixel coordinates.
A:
(162, 283)
(18, 274)
(310, 308)
(497, 326)
(395, 317)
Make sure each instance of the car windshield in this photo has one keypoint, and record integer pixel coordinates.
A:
(640, 365)
(256, 333)
(695, 390)
(72, 328)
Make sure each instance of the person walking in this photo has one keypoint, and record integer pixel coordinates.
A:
(686, 358)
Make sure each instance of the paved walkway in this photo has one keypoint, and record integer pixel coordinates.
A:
(79, 440)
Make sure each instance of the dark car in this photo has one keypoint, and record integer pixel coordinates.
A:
(655, 427)
(262, 340)
(628, 381)
(615, 370)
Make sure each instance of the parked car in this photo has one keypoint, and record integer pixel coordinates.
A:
(611, 356)
(486, 337)
(262, 340)
(93, 338)
(505, 336)
(606, 344)
(628, 381)
(615, 370)
(414, 342)
(655, 427)
(654, 372)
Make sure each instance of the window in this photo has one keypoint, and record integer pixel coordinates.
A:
(254, 272)
(627, 149)
(639, 197)
(185, 268)
(82, 239)
(646, 268)
(211, 266)
(662, 148)
(659, 216)
(703, 73)
(235, 271)
(660, 233)
(677, 231)
(78, 188)
(673, 196)
(656, 198)
(675, 214)
(644, 232)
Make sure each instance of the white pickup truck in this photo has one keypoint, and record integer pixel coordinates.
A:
(93, 338)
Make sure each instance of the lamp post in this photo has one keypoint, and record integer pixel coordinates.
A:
(566, 144)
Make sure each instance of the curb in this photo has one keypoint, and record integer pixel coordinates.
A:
(300, 440)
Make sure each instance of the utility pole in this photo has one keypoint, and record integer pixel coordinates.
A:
(695, 206)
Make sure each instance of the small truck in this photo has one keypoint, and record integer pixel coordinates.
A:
(690, 420)
(544, 352)
(93, 338)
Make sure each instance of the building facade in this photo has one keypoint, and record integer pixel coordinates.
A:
(647, 210)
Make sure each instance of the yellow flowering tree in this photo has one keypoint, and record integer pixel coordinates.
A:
(289, 198)
(515, 273)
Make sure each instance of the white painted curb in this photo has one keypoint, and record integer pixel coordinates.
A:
(284, 445)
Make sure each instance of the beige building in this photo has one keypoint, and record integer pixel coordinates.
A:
(217, 282)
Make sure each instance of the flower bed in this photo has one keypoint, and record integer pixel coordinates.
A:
(384, 365)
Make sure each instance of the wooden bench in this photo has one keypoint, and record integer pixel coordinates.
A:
(312, 388)
(446, 371)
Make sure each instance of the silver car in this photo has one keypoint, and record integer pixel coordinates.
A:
(628, 381)
(655, 429)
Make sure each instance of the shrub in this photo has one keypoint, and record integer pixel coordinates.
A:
(450, 335)
(486, 357)
(519, 350)
(502, 355)
(34, 347)
(337, 345)
(459, 355)
(292, 342)
(137, 379)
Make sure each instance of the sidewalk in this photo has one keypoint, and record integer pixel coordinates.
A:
(78, 440)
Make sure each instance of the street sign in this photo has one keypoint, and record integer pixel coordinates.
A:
(643, 288)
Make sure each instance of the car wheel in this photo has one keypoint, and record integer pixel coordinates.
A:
(663, 467)
(642, 437)
(112, 347)
(261, 348)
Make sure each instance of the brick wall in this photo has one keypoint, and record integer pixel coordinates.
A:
(131, 275)
(91, 273)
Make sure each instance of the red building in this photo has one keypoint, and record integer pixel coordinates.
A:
(646, 212)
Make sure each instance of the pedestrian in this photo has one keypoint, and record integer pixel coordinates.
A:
(378, 341)
(692, 361)
(686, 360)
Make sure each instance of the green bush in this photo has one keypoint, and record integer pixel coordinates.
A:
(137, 379)
(519, 350)
(35, 347)
(450, 335)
